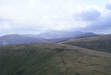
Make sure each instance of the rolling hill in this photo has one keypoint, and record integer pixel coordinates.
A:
(99, 43)
(53, 59)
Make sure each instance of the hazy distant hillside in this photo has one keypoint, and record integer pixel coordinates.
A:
(53, 59)
(100, 43)
(51, 37)
(18, 39)
(63, 34)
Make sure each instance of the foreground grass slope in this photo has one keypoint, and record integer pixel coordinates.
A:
(99, 43)
(53, 59)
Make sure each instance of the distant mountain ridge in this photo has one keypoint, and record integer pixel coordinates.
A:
(51, 37)
(18, 39)
(63, 34)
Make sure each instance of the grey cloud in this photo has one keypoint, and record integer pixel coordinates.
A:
(108, 6)
(103, 24)
(89, 15)
(98, 23)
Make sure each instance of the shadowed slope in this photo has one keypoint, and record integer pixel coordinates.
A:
(99, 43)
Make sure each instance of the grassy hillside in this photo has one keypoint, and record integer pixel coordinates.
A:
(99, 43)
(53, 59)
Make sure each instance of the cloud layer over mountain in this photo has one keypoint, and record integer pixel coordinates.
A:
(36, 16)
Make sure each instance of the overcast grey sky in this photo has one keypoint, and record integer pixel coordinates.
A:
(36, 16)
